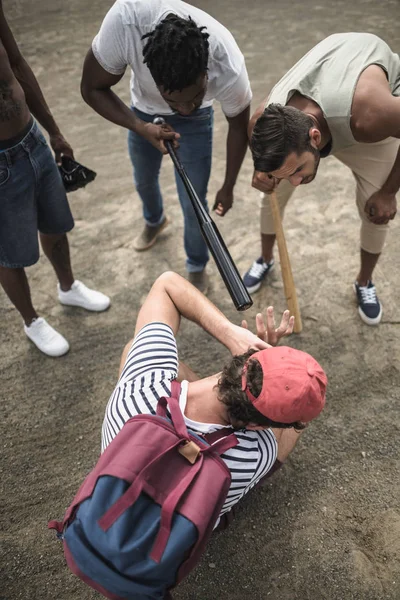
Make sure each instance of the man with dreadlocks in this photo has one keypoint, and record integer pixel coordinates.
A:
(181, 60)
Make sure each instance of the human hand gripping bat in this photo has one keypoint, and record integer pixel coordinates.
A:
(227, 268)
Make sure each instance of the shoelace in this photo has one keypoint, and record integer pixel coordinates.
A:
(368, 295)
(44, 332)
(257, 269)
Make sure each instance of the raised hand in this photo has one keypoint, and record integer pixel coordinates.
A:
(269, 333)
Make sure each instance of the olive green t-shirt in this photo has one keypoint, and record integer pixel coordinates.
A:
(328, 75)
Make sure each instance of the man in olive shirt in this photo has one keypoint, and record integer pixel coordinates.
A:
(342, 98)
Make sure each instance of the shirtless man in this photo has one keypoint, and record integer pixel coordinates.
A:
(342, 98)
(33, 197)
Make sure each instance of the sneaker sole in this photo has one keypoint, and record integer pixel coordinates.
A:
(368, 320)
(363, 316)
(153, 241)
(254, 288)
(89, 308)
(51, 354)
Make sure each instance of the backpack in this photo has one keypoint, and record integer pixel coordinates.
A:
(142, 517)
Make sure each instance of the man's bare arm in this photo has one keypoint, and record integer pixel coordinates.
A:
(236, 147)
(96, 90)
(376, 117)
(173, 297)
(33, 94)
(26, 78)
(375, 112)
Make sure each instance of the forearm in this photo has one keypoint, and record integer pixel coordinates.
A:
(236, 147)
(172, 297)
(194, 306)
(107, 104)
(392, 183)
(34, 96)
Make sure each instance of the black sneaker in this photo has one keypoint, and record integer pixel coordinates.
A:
(369, 307)
(256, 274)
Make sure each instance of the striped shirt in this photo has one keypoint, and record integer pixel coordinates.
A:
(151, 365)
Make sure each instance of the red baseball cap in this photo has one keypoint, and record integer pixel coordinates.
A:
(293, 388)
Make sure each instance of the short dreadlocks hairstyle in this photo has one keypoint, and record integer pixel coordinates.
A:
(176, 53)
(279, 131)
(240, 408)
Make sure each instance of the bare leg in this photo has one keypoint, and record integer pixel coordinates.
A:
(16, 286)
(56, 248)
(287, 439)
(267, 245)
(368, 263)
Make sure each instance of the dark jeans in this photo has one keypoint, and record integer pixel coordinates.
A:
(195, 152)
(32, 198)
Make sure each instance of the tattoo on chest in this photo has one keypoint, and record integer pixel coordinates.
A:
(9, 107)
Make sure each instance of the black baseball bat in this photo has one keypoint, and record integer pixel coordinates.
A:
(227, 268)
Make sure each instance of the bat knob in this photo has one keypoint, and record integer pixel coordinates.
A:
(158, 121)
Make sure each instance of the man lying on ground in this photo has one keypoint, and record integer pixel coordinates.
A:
(266, 395)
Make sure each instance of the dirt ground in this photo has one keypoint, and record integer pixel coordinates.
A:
(327, 527)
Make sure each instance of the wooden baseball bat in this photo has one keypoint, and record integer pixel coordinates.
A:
(227, 268)
(287, 276)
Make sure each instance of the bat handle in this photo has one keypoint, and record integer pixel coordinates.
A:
(168, 144)
(287, 276)
(198, 207)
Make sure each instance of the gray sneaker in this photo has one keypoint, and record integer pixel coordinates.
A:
(149, 235)
(200, 280)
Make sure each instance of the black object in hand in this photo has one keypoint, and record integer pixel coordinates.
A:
(227, 268)
(74, 175)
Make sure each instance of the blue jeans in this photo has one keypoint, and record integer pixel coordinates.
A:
(32, 198)
(195, 152)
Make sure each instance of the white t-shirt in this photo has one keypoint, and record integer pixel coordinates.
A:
(119, 44)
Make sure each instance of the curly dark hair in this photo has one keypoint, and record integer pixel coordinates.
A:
(176, 52)
(229, 390)
(278, 132)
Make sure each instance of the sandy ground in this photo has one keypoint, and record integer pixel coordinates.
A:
(328, 525)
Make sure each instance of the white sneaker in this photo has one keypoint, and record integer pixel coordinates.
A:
(47, 339)
(80, 295)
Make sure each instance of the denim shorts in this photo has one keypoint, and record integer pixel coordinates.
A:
(32, 199)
